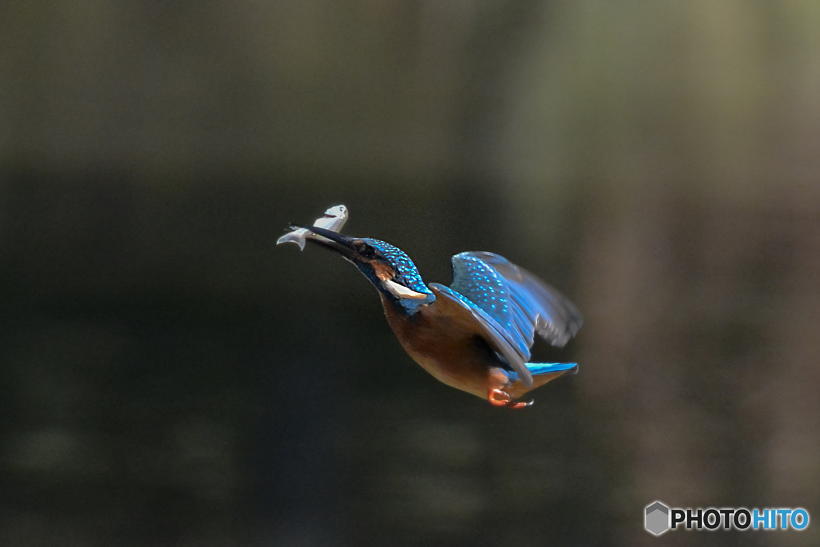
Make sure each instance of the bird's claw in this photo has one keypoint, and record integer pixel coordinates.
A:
(498, 397)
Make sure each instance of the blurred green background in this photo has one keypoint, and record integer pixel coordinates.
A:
(169, 377)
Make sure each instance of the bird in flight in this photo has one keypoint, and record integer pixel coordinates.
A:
(474, 335)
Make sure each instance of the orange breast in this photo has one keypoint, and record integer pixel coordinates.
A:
(444, 341)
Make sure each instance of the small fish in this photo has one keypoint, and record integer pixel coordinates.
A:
(333, 219)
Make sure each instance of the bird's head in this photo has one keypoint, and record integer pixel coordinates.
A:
(387, 267)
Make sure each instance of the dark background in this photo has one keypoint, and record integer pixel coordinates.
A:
(169, 377)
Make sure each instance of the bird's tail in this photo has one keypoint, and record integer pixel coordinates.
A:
(537, 369)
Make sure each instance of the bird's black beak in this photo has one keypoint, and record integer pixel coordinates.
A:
(331, 240)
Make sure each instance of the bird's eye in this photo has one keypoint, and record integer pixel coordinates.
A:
(364, 249)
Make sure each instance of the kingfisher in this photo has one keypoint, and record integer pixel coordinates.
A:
(474, 335)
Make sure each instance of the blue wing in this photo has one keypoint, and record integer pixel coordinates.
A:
(516, 299)
(496, 335)
(519, 302)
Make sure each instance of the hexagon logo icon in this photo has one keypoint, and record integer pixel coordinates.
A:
(656, 518)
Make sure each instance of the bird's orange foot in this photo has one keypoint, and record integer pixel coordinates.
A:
(498, 397)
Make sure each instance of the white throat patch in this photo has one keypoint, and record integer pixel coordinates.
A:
(400, 291)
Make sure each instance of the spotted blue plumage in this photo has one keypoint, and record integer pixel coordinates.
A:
(482, 285)
(514, 305)
(498, 337)
(520, 302)
(406, 272)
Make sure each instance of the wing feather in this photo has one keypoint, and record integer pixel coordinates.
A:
(510, 306)
(495, 335)
(520, 303)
